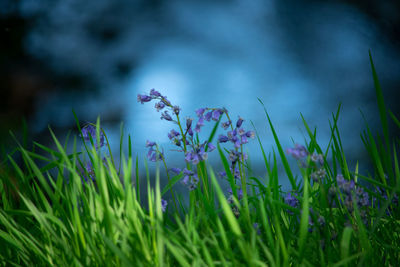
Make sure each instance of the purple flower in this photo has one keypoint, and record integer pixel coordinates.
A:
(166, 116)
(243, 140)
(190, 132)
(188, 172)
(89, 131)
(297, 152)
(200, 112)
(89, 174)
(223, 139)
(189, 123)
(226, 124)
(153, 154)
(318, 175)
(230, 195)
(202, 153)
(154, 93)
(346, 186)
(190, 179)
(211, 147)
(222, 174)
(172, 134)
(239, 122)
(216, 114)
(159, 106)
(200, 123)
(236, 141)
(208, 116)
(143, 98)
(166, 101)
(150, 144)
(241, 131)
(176, 110)
(175, 170)
(317, 158)
(291, 200)
(164, 204)
(231, 134)
(236, 173)
(250, 134)
(234, 156)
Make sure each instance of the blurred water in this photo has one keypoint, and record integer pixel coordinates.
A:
(293, 55)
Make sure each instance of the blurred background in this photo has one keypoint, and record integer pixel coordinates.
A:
(94, 57)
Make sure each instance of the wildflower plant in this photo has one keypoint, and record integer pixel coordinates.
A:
(77, 207)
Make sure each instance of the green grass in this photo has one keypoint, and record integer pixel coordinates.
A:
(49, 216)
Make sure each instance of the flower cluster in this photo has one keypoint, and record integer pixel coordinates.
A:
(350, 194)
(190, 179)
(237, 136)
(198, 152)
(154, 154)
(230, 195)
(291, 200)
(89, 133)
(162, 103)
(185, 139)
(300, 153)
(235, 172)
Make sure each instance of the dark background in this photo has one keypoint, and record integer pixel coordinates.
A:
(96, 56)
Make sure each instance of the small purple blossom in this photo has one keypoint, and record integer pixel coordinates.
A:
(189, 123)
(226, 124)
(200, 112)
(291, 200)
(241, 131)
(222, 174)
(250, 134)
(166, 101)
(175, 170)
(166, 116)
(317, 158)
(150, 144)
(239, 192)
(154, 93)
(239, 122)
(143, 98)
(216, 114)
(318, 175)
(197, 154)
(208, 115)
(223, 139)
(211, 147)
(297, 152)
(176, 110)
(190, 179)
(164, 204)
(200, 123)
(159, 106)
(172, 134)
(88, 174)
(153, 154)
(89, 132)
